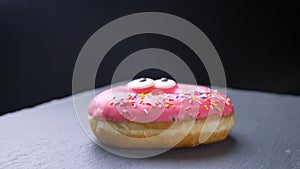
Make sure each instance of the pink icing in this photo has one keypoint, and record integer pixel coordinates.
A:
(123, 104)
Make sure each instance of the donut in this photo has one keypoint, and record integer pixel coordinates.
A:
(160, 113)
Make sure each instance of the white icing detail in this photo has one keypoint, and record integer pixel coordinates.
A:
(164, 84)
(138, 84)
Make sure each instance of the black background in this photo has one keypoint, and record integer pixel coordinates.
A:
(40, 41)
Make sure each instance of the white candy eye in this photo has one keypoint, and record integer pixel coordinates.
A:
(164, 83)
(141, 83)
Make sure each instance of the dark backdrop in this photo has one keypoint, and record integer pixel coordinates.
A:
(40, 41)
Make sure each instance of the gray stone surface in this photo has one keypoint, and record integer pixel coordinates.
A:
(266, 135)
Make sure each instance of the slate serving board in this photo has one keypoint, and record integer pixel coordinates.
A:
(266, 135)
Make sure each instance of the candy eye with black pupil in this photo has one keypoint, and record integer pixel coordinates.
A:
(164, 79)
(142, 79)
(141, 83)
(164, 83)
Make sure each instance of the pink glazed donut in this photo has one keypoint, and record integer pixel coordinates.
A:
(148, 113)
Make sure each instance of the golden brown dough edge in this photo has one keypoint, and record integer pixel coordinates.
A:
(149, 135)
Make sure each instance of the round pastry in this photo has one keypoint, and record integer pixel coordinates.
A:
(148, 113)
